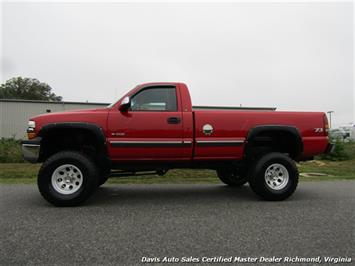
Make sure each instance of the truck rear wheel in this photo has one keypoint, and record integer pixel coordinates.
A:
(274, 176)
(67, 178)
(231, 177)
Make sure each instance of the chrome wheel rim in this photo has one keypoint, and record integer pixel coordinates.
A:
(276, 176)
(67, 179)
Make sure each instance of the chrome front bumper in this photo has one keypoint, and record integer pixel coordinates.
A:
(30, 149)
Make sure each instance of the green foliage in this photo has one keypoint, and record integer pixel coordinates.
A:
(10, 151)
(27, 89)
(340, 153)
(350, 149)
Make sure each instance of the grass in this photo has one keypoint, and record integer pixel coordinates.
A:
(334, 169)
(10, 151)
(24, 173)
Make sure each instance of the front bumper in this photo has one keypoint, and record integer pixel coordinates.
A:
(31, 149)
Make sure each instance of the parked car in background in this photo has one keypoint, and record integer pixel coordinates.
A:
(345, 132)
(336, 133)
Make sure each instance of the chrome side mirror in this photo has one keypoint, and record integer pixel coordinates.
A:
(125, 104)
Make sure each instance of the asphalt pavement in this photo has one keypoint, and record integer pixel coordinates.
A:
(128, 224)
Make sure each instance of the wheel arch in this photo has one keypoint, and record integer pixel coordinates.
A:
(71, 135)
(281, 138)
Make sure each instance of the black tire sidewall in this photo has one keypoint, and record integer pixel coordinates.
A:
(257, 177)
(104, 175)
(89, 175)
(225, 177)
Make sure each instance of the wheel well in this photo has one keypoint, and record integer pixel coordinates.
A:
(265, 141)
(75, 139)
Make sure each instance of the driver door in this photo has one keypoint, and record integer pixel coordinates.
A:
(151, 129)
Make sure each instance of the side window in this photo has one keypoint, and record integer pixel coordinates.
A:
(155, 99)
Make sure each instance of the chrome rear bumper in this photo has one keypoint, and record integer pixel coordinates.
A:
(330, 148)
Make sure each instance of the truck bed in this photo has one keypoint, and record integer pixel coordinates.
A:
(204, 107)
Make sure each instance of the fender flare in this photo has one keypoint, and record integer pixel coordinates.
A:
(94, 129)
(255, 131)
(99, 134)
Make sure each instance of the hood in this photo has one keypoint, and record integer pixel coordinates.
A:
(93, 116)
(69, 112)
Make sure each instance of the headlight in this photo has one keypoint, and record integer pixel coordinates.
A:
(31, 124)
(31, 133)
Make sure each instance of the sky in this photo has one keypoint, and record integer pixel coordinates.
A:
(293, 56)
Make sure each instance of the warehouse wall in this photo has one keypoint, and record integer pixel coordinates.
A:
(14, 114)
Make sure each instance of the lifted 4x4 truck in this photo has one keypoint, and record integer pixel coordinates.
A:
(155, 128)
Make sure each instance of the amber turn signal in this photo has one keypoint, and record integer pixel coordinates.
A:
(31, 135)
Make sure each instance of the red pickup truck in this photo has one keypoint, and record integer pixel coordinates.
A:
(155, 128)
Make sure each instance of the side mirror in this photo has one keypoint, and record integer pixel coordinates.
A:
(125, 104)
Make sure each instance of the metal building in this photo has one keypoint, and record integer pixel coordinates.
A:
(14, 114)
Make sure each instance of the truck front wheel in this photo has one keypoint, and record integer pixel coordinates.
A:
(67, 178)
(104, 175)
(231, 177)
(274, 176)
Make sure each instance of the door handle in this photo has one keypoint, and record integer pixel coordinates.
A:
(174, 120)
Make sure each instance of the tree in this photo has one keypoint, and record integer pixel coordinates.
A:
(27, 89)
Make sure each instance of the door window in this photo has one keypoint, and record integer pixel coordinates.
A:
(155, 99)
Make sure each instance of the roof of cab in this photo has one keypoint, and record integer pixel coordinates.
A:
(160, 84)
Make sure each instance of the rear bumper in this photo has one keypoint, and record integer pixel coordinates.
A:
(30, 149)
(329, 149)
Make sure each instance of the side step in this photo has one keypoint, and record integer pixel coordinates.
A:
(159, 172)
